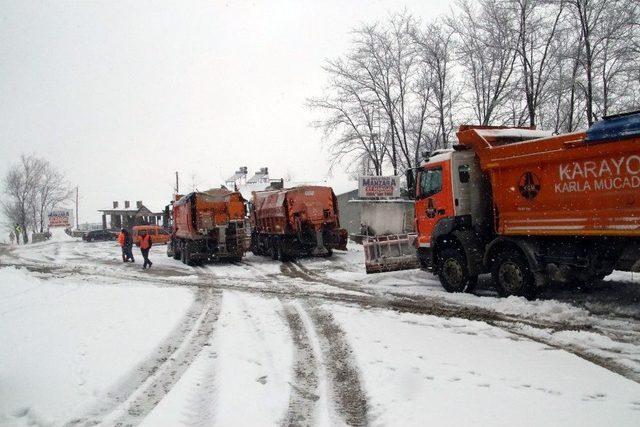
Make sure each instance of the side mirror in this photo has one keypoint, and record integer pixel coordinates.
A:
(411, 183)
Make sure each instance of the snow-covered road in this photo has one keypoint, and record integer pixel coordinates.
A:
(86, 340)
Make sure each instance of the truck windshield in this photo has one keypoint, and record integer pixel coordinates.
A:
(430, 182)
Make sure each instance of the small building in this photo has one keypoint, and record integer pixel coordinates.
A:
(128, 216)
(260, 177)
(238, 179)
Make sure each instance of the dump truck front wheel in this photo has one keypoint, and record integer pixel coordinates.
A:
(512, 275)
(453, 271)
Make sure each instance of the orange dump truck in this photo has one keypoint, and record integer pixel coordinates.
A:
(296, 222)
(531, 208)
(208, 225)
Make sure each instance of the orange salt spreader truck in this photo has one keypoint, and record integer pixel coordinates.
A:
(208, 226)
(530, 208)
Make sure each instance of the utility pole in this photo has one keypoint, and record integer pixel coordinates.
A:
(77, 208)
(177, 188)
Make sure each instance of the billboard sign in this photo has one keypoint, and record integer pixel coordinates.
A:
(60, 218)
(378, 186)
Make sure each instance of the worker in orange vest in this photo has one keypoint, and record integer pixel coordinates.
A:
(121, 241)
(145, 245)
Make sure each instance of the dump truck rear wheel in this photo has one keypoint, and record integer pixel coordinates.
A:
(512, 275)
(255, 245)
(186, 255)
(275, 255)
(453, 271)
(278, 250)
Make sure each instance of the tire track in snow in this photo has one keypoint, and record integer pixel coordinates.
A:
(297, 270)
(168, 373)
(305, 394)
(130, 402)
(347, 391)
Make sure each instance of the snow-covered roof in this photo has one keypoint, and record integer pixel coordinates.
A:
(258, 177)
(235, 177)
(240, 173)
(441, 155)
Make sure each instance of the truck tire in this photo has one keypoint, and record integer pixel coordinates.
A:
(255, 245)
(184, 254)
(274, 249)
(512, 275)
(453, 271)
(278, 250)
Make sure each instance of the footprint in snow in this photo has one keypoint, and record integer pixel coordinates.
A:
(262, 380)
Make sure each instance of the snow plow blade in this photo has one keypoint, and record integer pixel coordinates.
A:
(390, 253)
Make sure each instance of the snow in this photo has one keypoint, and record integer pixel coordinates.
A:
(463, 373)
(66, 342)
(58, 235)
(179, 345)
(248, 360)
(514, 133)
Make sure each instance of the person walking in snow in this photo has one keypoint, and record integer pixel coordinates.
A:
(128, 244)
(121, 240)
(125, 242)
(11, 236)
(145, 245)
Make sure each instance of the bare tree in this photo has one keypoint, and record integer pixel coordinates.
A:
(537, 26)
(487, 53)
(377, 96)
(19, 185)
(617, 60)
(436, 44)
(386, 60)
(556, 64)
(51, 190)
(32, 188)
(352, 116)
(354, 121)
(608, 29)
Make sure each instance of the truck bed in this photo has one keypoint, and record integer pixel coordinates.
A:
(574, 184)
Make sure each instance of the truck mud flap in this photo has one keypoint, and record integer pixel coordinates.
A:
(390, 253)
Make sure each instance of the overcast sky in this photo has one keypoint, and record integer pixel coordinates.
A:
(120, 95)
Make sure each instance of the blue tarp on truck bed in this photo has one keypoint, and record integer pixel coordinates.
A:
(615, 127)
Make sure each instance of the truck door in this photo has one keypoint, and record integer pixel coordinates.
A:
(433, 201)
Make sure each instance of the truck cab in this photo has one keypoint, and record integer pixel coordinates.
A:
(451, 201)
(449, 190)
